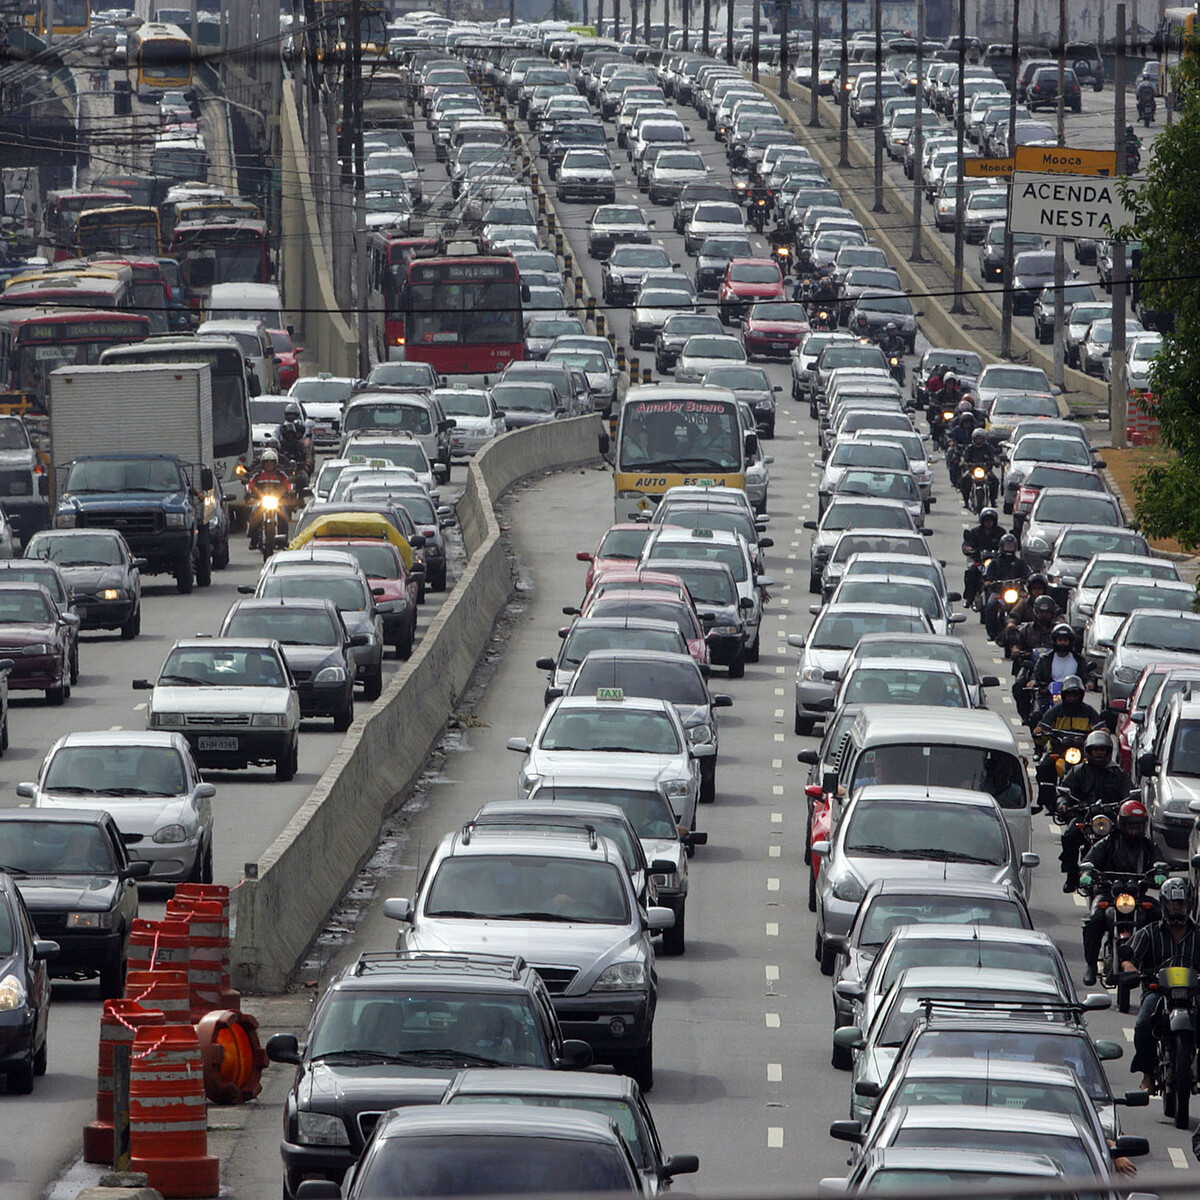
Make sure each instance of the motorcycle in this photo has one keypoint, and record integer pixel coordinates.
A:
(272, 525)
(1133, 156)
(822, 318)
(979, 495)
(1023, 690)
(1063, 750)
(759, 213)
(1125, 901)
(896, 368)
(1146, 107)
(1175, 1033)
(939, 426)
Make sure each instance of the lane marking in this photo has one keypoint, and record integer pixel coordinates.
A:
(779, 737)
(773, 851)
(777, 763)
(114, 728)
(775, 1138)
(1128, 1032)
(778, 713)
(777, 789)
(777, 818)
(138, 707)
(1080, 902)
(1177, 1156)
(772, 929)
(772, 973)
(781, 670)
(772, 1020)
(779, 691)
(772, 885)
(775, 1075)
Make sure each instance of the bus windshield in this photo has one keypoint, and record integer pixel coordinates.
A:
(450, 312)
(121, 230)
(680, 435)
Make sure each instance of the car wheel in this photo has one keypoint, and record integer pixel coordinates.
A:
(373, 684)
(343, 719)
(841, 1059)
(74, 661)
(112, 979)
(737, 668)
(206, 870)
(285, 764)
(20, 1079)
(404, 647)
(812, 889)
(755, 649)
(438, 583)
(421, 592)
(131, 627)
(56, 695)
(41, 1056)
(220, 554)
(708, 781)
(640, 1066)
(4, 734)
(803, 725)
(184, 576)
(674, 939)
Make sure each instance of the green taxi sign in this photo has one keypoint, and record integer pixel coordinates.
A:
(702, 533)
(706, 483)
(610, 693)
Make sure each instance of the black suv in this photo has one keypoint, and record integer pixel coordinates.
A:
(393, 1029)
(1089, 66)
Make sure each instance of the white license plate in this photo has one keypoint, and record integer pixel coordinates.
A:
(218, 743)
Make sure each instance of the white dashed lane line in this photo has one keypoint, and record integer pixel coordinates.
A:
(775, 1075)
(772, 1020)
(1178, 1157)
(774, 1138)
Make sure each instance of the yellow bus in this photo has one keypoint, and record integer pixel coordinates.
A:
(162, 57)
(70, 17)
(120, 229)
(1175, 37)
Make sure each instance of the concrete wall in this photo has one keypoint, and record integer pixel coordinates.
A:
(304, 873)
(308, 293)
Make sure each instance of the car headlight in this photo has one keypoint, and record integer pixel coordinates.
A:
(527, 780)
(700, 733)
(620, 976)
(850, 889)
(1038, 544)
(670, 882)
(330, 675)
(166, 720)
(111, 594)
(677, 787)
(38, 648)
(178, 520)
(1126, 674)
(321, 1129)
(12, 993)
(90, 920)
(813, 675)
(726, 630)
(169, 834)
(65, 520)
(269, 720)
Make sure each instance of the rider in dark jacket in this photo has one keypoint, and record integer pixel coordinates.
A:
(1097, 780)
(978, 544)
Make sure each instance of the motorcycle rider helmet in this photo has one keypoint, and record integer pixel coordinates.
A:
(1044, 604)
(1131, 819)
(890, 327)
(1064, 638)
(978, 437)
(1036, 580)
(292, 413)
(988, 514)
(967, 421)
(1098, 748)
(270, 457)
(1175, 896)
(965, 408)
(1008, 544)
(1072, 683)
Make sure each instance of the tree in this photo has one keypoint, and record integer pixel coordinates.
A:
(1167, 216)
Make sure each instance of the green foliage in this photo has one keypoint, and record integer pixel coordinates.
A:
(1167, 212)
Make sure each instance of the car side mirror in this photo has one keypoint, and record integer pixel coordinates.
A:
(722, 701)
(142, 685)
(545, 664)
(1107, 1051)
(1147, 763)
(576, 1055)
(358, 639)
(205, 791)
(810, 524)
(398, 908)
(1118, 705)
(679, 1164)
(283, 1048)
(570, 611)
(868, 1089)
(1129, 1146)
(809, 757)
(519, 744)
(43, 949)
(135, 870)
(987, 681)
(820, 849)
(765, 543)
(849, 1037)
(1137, 1099)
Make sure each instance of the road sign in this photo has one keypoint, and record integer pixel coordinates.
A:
(1057, 205)
(1066, 160)
(987, 168)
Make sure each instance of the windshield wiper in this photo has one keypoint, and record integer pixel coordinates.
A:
(73, 788)
(185, 679)
(531, 915)
(870, 848)
(943, 855)
(455, 1056)
(13, 870)
(456, 912)
(130, 791)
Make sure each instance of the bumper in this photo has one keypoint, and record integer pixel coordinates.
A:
(724, 648)
(324, 699)
(770, 345)
(666, 357)
(603, 193)
(16, 1036)
(611, 1023)
(230, 750)
(836, 915)
(1172, 832)
(809, 694)
(170, 862)
(27, 515)
(315, 1162)
(80, 953)
(95, 613)
(36, 673)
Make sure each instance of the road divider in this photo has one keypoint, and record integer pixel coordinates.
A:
(286, 896)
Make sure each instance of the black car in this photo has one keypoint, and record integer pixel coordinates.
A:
(1043, 307)
(1032, 271)
(991, 250)
(79, 884)
(1084, 58)
(673, 336)
(50, 576)
(722, 615)
(1042, 91)
(316, 645)
(393, 1029)
(104, 577)
(24, 991)
(714, 258)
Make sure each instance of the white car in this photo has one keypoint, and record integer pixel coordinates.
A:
(586, 173)
(998, 378)
(232, 699)
(150, 785)
(712, 218)
(703, 352)
(476, 418)
(616, 737)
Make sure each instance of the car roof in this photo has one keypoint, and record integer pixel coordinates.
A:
(120, 737)
(1002, 979)
(532, 1081)
(495, 1120)
(998, 1070)
(65, 816)
(225, 643)
(551, 811)
(928, 795)
(649, 703)
(1005, 1120)
(988, 1162)
(948, 931)
(639, 655)
(954, 726)
(446, 970)
(860, 609)
(287, 603)
(505, 840)
(973, 888)
(940, 665)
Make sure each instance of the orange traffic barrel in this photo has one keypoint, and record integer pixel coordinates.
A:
(209, 947)
(119, 1022)
(233, 1058)
(168, 1115)
(166, 991)
(212, 893)
(155, 945)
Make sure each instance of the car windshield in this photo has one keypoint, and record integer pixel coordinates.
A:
(782, 311)
(910, 828)
(582, 641)
(123, 475)
(1101, 572)
(687, 324)
(851, 354)
(1008, 1094)
(703, 346)
(679, 682)
(610, 729)
(413, 418)
(1044, 477)
(1085, 314)
(754, 273)
(843, 513)
(963, 952)
(116, 770)
(402, 374)
(20, 605)
(592, 160)
(346, 591)
(518, 397)
(840, 631)
(1067, 450)
(717, 214)
(322, 391)
(889, 912)
(700, 549)
(649, 812)
(1076, 510)
(268, 411)
(865, 543)
(288, 626)
(1163, 633)
(918, 764)
(640, 256)
(942, 650)
(726, 517)
(1077, 544)
(888, 304)
(1122, 599)
(204, 666)
(55, 848)
(1069, 1152)
(1025, 406)
(619, 216)
(376, 1023)
(475, 404)
(528, 887)
(895, 685)
(1016, 379)
(724, 248)
(623, 543)
(895, 485)
(77, 549)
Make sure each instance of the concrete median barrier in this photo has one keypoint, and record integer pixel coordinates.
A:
(304, 873)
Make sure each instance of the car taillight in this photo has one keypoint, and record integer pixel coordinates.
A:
(1027, 495)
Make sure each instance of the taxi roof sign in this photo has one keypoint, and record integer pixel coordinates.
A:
(702, 533)
(610, 693)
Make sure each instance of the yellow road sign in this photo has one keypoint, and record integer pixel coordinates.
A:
(986, 168)
(1066, 160)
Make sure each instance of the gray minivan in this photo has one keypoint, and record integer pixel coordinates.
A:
(417, 413)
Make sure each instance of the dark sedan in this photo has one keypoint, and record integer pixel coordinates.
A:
(37, 638)
(991, 250)
(102, 574)
(316, 645)
(1032, 270)
(24, 992)
(51, 577)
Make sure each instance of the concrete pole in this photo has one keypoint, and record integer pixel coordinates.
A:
(785, 12)
(842, 98)
(1006, 309)
(877, 121)
(918, 192)
(814, 111)
(729, 32)
(1119, 388)
(960, 195)
(1060, 269)
(754, 39)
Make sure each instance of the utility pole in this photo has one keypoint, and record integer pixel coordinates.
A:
(729, 32)
(646, 20)
(360, 190)
(918, 192)
(512, 13)
(1006, 306)
(877, 117)
(841, 97)
(785, 11)
(1119, 403)
(633, 19)
(814, 111)
(706, 19)
(1060, 268)
(960, 195)
(753, 39)
(617, 20)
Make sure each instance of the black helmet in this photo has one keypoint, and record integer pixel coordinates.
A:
(1063, 630)
(1008, 544)
(1098, 747)
(1038, 580)
(1176, 898)
(1044, 604)
(1072, 683)
(986, 514)
(978, 436)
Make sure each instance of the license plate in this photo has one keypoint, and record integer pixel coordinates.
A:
(779, 345)
(321, 430)
(218, 743)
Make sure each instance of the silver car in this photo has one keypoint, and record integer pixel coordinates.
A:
(901, 647)
(886, 485)
(617, 737)
(149, 782)
(1055, 509)
(1100, 568)
(702, 352)
(564, 903)
(903, 589)
(856, 452)
(998, 378)
(1022, 454)
(886, 831)
(1144, 637)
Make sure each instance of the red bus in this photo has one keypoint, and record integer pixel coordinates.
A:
(34, 341)
(388, 257)
(220, 251)
(460, 315)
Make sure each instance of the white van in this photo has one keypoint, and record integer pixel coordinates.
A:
(257, 349)
(247, 302)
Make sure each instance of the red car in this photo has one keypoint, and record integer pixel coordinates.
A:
(773, 329)
(1133, 713)
(620, 546)
(746, 281)
(287, 354)
(35, 639)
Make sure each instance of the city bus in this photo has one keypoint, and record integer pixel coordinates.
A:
(230, 393)
(673, 436)
(460, 315)
(388, 256)
(183, 159)
(61, 214)
(141, 189)
(70, 17)
(230, 250)
(119, 229)
(85, 288)
(161, 56)
(1174, 38)
(34, 341)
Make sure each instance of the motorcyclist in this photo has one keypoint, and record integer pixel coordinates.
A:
(1125, 851)
(958, 438)
(1066, 660)
(1096, 780)
(295, 444)
(1005, 567)
(979, 543)
(861, 327)
(980, 453)
(1069, 714)
(1147, 97)
(1172, 941)
(269, 477)
(1023, 611)
(1032, 639)
(1133, 149)
(891, 343)
(760, 205)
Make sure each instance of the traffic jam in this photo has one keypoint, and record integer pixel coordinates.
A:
(944, 740)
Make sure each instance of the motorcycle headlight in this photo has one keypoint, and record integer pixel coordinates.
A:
(1126, 903)
(621, 976)
(267, 720)
(850, 889)
(321, 1129)
(948, 416)
(1072, 756)
(1101, 825)
(178, 520)
(330, 675)
(90, 920)
(1011, 595)
(12, 993)
(979, 473)
(170, 834)
(699, 734)
(269, 503)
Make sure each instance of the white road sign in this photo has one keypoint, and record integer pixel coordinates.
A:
(1057, 205)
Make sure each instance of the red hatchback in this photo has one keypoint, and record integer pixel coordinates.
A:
(620, 548)
(287, 354)
(774, 329)
(746, 281)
